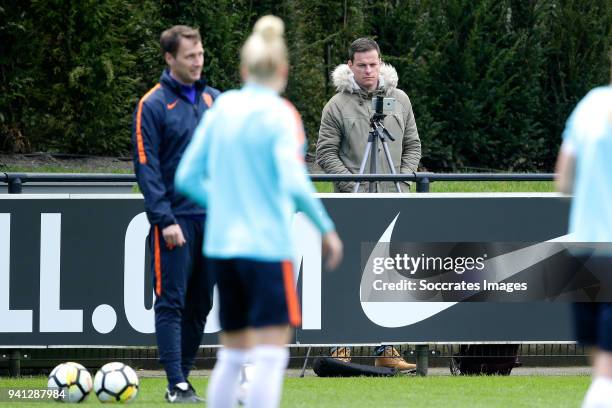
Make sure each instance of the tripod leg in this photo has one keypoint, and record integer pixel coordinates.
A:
(366, 154)
(390, 164)
(305, 362)
(373, 187)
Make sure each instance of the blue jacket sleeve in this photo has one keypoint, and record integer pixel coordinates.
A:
(146, 140)
(289, 157)
(191, 178)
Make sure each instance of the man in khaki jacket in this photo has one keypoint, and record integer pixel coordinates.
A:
(343, 136)
(345, 122)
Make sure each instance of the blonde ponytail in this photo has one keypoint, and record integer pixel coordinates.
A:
(270, 28)
(265, 50)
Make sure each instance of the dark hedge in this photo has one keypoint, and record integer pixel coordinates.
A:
(491, 81)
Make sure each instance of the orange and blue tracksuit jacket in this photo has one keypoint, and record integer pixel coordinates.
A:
(164, 122)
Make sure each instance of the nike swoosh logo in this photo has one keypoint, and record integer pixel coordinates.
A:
(171, 106)
(172, 397)
(400, 314)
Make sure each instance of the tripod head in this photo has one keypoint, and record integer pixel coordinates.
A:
(377, 117)
(378, 128)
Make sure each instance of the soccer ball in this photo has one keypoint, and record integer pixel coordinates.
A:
(72, 380)
(116, 382)
(246, 375)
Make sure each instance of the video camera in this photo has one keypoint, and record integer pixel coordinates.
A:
(383, 106)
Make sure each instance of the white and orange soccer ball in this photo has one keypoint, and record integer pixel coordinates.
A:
(116, 382)
(72, 381)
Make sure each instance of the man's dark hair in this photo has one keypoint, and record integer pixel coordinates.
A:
(363, 44)
(171, 38)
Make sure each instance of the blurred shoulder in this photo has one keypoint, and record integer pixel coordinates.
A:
(227, 97)
(599, 94)
(279, 112)
(597, 101)
(288, 107)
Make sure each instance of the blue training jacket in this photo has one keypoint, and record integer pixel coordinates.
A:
(164, 122)
(246, 167)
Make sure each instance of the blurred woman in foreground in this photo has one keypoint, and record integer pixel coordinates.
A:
(246, 167)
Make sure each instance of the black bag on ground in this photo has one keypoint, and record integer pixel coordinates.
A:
(485, 359)
(331, 367)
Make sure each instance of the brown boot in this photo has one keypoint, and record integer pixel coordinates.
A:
(391, 358)
(341, 353)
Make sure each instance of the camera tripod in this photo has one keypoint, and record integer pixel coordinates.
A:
(377, 133)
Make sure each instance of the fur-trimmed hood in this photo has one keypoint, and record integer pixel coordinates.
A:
(344, 79)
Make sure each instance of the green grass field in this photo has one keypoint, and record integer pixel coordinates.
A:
(444, 391)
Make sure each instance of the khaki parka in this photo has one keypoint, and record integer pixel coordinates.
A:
(345, 125)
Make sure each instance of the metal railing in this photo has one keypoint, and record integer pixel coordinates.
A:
(423, 180)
